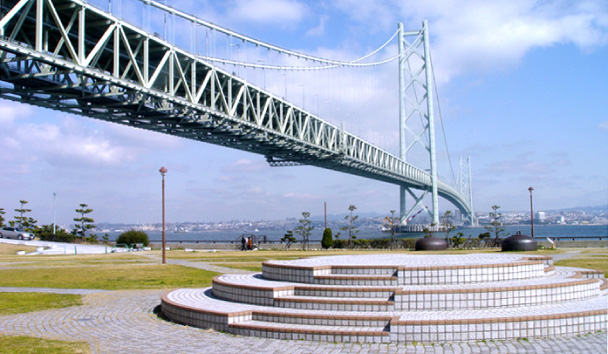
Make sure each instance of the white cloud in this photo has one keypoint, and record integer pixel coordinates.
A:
(71, 141)
(264, 11)
(245, 166)
(603, 125)
(319, 30)
(9, 112)
(479, 34)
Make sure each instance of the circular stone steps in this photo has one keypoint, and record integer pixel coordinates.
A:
(429, 299)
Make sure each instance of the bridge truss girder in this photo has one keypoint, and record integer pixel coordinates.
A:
(70, 56)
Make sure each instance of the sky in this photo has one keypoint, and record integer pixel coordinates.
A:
(522, 86)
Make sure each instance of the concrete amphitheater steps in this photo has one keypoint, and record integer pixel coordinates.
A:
(504, 297)
(564, 285)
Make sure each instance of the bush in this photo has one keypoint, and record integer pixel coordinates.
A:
(328, 239)
(339, 244)
(45, 233)
(380, 243)
(132, 237)
(408, 243)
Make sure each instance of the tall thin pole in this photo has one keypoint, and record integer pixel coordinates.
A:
(164, 243)
(531, 213)
(325, 207)
(162, 171)
(54, 213)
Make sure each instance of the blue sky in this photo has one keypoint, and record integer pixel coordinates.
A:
(523, 89)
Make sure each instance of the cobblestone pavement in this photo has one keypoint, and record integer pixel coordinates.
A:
(120, 322)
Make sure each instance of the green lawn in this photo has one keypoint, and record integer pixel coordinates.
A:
(587, 261)
(13, 303)
(108, 277)
(29, 345)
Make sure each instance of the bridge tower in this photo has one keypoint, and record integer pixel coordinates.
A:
(416, 102)
(464, 184)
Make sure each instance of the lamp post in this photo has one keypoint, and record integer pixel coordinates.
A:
(162, 171)
(54, 213)
(531, 213)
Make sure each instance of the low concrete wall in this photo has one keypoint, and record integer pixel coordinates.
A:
(576, 244)
(279, 246)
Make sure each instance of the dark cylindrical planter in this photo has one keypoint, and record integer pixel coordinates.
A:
(519, 242)
(431, 244)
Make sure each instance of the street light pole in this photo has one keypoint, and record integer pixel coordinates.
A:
(54, 213)
(531, 213)
(162, 171)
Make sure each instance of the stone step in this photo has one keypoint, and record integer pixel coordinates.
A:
(322, 318)
(335, 304)
(356, 280)
(311, 332)
(495, 296)
(344, 291)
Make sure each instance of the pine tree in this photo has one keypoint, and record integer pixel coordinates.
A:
(352, 230)
(496, 224)
(86, 223)
(25, 223)
(304, 229)
(289, 239)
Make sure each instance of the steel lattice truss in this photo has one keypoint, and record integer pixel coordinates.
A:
(70, 56)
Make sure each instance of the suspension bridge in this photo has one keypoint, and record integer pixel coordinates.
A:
(75, 57)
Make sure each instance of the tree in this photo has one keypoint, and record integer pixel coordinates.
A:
(458, 240)
(2, 212)
(304, 229)
(496, 224)
(327, 241)
(351, 228)
(133, 237)
(446, 221)
(86, 223)
(289, 239)
(393, 222)
(428, 231)
(25, 222)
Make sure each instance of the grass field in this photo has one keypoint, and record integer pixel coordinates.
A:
(29, 345)
(12, 303)
(588, 261)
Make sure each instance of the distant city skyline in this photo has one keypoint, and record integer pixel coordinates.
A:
(522, 87)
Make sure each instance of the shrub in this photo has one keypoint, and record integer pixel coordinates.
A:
(132, 237)
(328, 239)
(339, 244)
(45, 233)
(408, 243)
(360, 243)
(380, 243)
